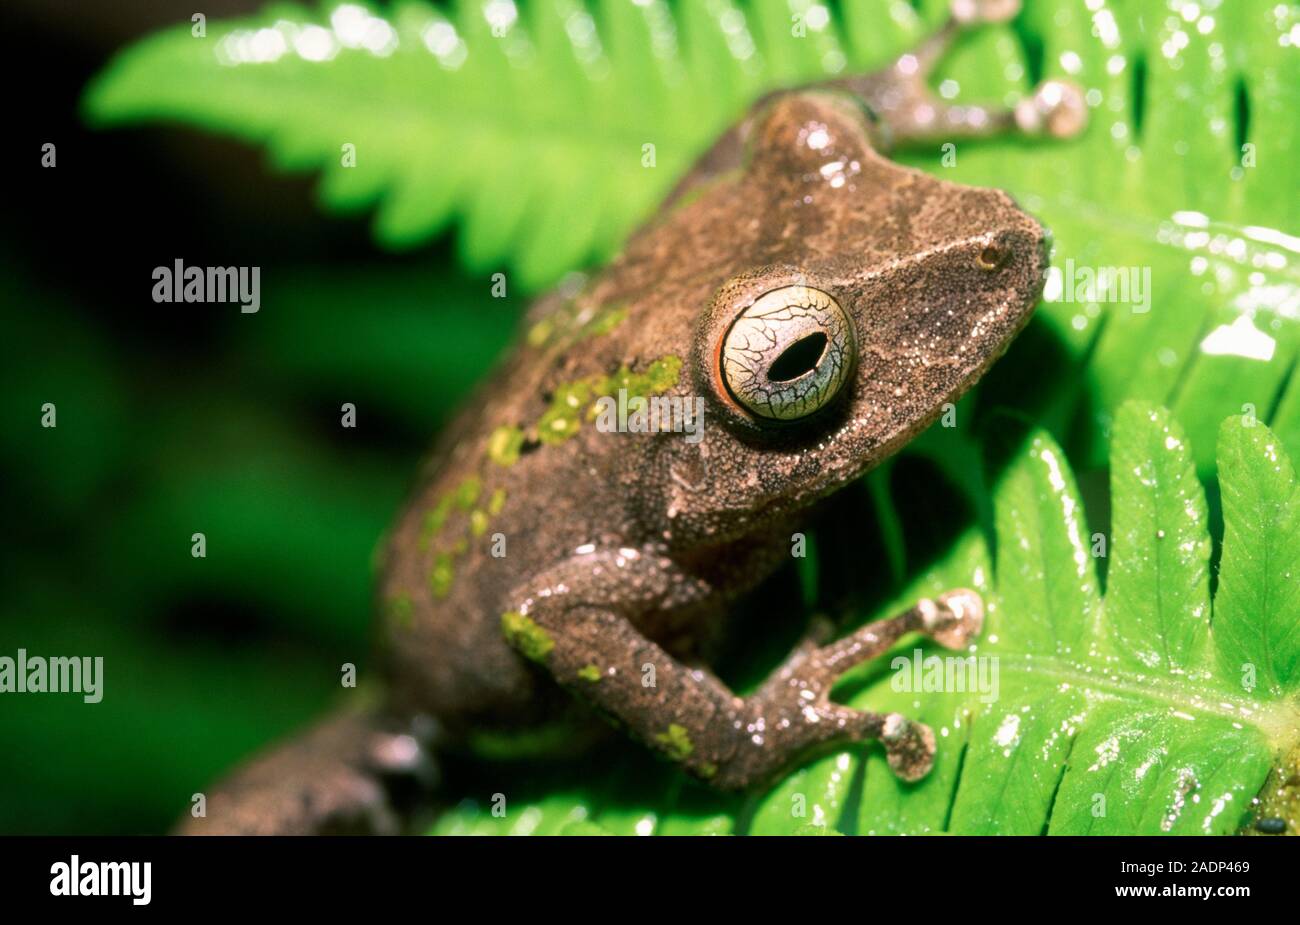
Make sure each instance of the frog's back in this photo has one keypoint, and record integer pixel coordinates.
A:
(516, 483)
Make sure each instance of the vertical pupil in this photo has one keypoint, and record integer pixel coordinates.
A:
(798, 358)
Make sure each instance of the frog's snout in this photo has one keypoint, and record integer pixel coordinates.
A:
(1042, 252)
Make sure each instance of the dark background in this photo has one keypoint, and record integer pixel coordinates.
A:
(176, 419)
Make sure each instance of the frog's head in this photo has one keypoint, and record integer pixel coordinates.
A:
(860, 298)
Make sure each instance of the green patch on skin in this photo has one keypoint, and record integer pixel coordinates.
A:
(589, 673)
(467, 492)
(566, 322)
(434, 520)
(401, 611)
(465, 497)
(564, 417)
(606, 320)
(575, 401)
(562, 420)
(707, 770)
(660, 376)
(531, 640)
(442, 574)
(540, 333)
(676, 742)
(504, 445)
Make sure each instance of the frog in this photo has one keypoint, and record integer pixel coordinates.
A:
(799, 309)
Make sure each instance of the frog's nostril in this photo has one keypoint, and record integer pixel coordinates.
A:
(1045, 247)
(992, 257)
(799, 358)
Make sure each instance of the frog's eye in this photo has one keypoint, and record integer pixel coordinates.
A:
(788, 354)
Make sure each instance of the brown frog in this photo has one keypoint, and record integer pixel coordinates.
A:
(799, 310)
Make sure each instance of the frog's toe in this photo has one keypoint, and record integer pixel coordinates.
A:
(402, 756)
(954, 618)
(909, 747)
(971, 12)
(1057, 108)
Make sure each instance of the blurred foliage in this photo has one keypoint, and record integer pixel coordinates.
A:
(206, 659)
(532, 142)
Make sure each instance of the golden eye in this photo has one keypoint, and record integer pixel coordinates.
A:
(789, 353)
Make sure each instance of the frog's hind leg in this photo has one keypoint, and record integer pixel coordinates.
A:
(901, 96)
(354, 773)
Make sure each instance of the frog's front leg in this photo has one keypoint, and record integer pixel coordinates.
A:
(901, 95)
(807, 676)
(577, 621)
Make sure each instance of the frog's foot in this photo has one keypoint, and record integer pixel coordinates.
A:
(953, 618)
(909, 747)
(901, 93)
(793, 714)
(793, 711)
(1057, 108)
(963, 16)
(975, 12)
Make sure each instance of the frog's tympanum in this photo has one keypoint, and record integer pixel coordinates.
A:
(799, 310)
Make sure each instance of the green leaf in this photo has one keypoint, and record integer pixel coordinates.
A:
(1121, 726)
(1161, 184)
(475, 114)
(1160, 542)
(1125, 714)
(1257, 618)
